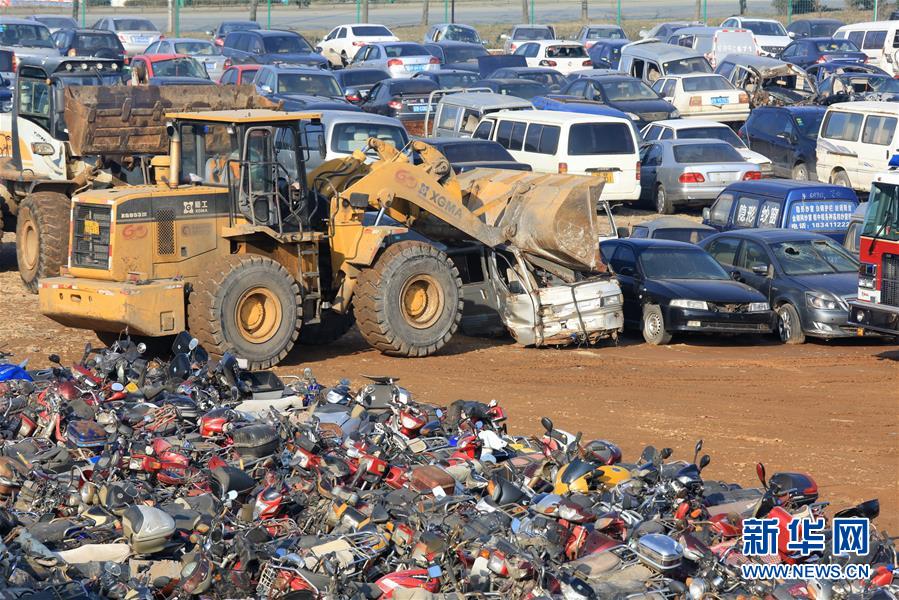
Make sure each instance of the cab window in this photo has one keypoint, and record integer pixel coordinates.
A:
(483, 131)
(721, 209)
(751, 255)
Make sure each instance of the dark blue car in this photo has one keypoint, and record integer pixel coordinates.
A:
(787, 136)
(606, 54)
(271, 47)
(457, 55)
(783, 204)
(671, 287)
(625, 93)
(809, 51)
(807, 278)
(301, 88)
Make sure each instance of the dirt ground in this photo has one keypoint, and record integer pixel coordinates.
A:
(828, 409)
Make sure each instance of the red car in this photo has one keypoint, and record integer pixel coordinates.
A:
(167, 69)
(239, 74)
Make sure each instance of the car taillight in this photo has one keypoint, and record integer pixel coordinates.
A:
(227, 63)
(821, 59)
(589, 45)
(638, 170)
(394, 62)
(691, 178)
(433, 61)
(512, 47)
(743, 99)
(358, 43)
(547, 63)
(395, 104)
(15, 62)
(752, 175)
(587, 63)
(122, 38)
(219, 41)
(695, 100)
(563, 167)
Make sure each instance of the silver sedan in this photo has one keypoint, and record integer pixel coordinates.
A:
(400, 59)
(689, 172)
(204, 51)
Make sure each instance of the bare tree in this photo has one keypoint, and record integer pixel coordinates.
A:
(585, 16)
(75, 7)
(254, 7)
(524, 12)
(365, 11)
(698, 10)
(424, 12)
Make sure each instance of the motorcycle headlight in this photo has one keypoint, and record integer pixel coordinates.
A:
(694, 304)
(822, 301)
(759, 307)
(698, 588)
(614, 300)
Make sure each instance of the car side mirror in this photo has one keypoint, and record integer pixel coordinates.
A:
(735, 275)
(626, 271)
(643, 33)
(791, 34)
(760, 269)
(210, 32)
(623, 232)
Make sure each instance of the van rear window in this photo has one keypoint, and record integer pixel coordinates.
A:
(874, 40)
(600, 138)
(820, 215)
(879, 130)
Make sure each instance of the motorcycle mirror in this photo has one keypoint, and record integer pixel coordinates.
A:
(141, 348)
(193, 343)
(181, 345)
(696, 450)
(87, 351)
(577, 438)
(54, 358)
(704, 461)
(648, 454)
(179, 368)
(547, 424)
(665, 453)
(117, 387)
(760, 471)
(200, 355)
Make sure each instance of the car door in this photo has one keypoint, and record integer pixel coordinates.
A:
(875, 151)
(650, 159)
(752, 256)
(794, 53)
(725, 249)
(624, 264)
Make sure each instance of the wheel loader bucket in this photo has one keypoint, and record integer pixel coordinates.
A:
(125, 120)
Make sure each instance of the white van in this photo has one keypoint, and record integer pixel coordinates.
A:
(878, 39)
(856, 142)
(553, 141)
(716, 42)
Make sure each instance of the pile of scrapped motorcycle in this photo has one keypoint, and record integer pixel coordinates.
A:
(126, 476)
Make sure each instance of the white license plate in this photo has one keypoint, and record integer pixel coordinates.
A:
(419, 108)
(140, 39)
(414, 68)
(720, 100)
(717, 177)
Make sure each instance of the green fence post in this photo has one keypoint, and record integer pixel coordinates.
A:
(83, 13)
(875, 10)
(705, 11)
(446, 11)
(358, 9)
(789, 11)
(533, 20)
(619, 13)
(177, 18)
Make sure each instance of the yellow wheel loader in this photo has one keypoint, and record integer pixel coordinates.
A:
(236, 242)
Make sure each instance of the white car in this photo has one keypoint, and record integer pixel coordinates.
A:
(342, 43)
(564, 57)
(771, 36)
(704, 96)
(680, 129)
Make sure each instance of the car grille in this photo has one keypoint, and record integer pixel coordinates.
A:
(653, 116)
(90, 237)
(773, 49)
(729, 308)
(889, 280)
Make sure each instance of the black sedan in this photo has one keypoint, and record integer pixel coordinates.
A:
(450, 78)
(403, 98)
(625, 93)
(88, 42)
(673, 287)
(466, 154)
(808, 278)
(810, 51)
(356, 83)
(542, 75)
(457, 55)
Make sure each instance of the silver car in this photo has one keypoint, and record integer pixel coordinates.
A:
(25, 38)
(204, 51)
(55, 22)
(400, 59)
(135, 34)
(689, 172)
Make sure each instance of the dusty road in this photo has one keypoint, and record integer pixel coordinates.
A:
(830, 409)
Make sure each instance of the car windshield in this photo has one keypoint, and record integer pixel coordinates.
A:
(809, 123)
(524, 89)
(357, 77)
(57, 22)
(463, 53)
(303, 83)
(25, 35)
(724, 133)
(682, 234)
(627, 89)
(706, 153)
(96, 41)
(813, 257)
(706, 83)
(605, 33)
(836, 46)
(134, 25)
(456, 80)
(680, 263)
(458, 33)
(285, 44)
(398, 50)
(229, 27)
(179, 67)
(197, 48)
(371, 31)
(533, 33)
(822, 29)
(348, 137)
(474, 151)
(883, 83)
(684, 66)
(570, 51)
(765, 27)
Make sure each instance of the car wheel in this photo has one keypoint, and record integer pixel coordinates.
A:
(654, 326)
(800, 172)
(841, 178)
(664, 206)
(343, 58)
(789, 327)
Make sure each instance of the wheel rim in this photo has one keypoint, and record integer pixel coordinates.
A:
(421, 301)
(785, 325)
(30, 244)
(258, 315)
(654, 325)
(660, 201)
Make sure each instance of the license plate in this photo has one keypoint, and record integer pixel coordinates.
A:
(722, 176)
(140, 39)
(419, 108)
(859, 331)
(605, 176)
(719, 100)
(91, 228)
(415, 68)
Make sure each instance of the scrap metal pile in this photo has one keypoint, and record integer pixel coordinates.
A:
(129, 477)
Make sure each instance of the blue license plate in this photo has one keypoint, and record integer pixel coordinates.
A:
(419, 108)
(415, 67)
(719, 100)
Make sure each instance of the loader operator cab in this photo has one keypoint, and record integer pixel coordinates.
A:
(259, 155)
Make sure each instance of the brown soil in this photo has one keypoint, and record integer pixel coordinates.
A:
(829, 409)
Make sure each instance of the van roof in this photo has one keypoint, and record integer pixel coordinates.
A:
(865, 106)
(788, 187)
(660, 51)
(555, 117)
(708, 30)
(484, 100)
(869, 25)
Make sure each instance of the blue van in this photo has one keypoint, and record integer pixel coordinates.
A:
(783, 203)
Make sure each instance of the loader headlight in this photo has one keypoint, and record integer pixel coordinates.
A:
(614, 300)
(694, 304)
(42, 149)
(759, 307)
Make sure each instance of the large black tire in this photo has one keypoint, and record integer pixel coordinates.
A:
(654, 331)
(789, 325)
(410, 302)
(664, 205)
(249, 306)
(331, 328)
(42, 236)
(841, 178)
